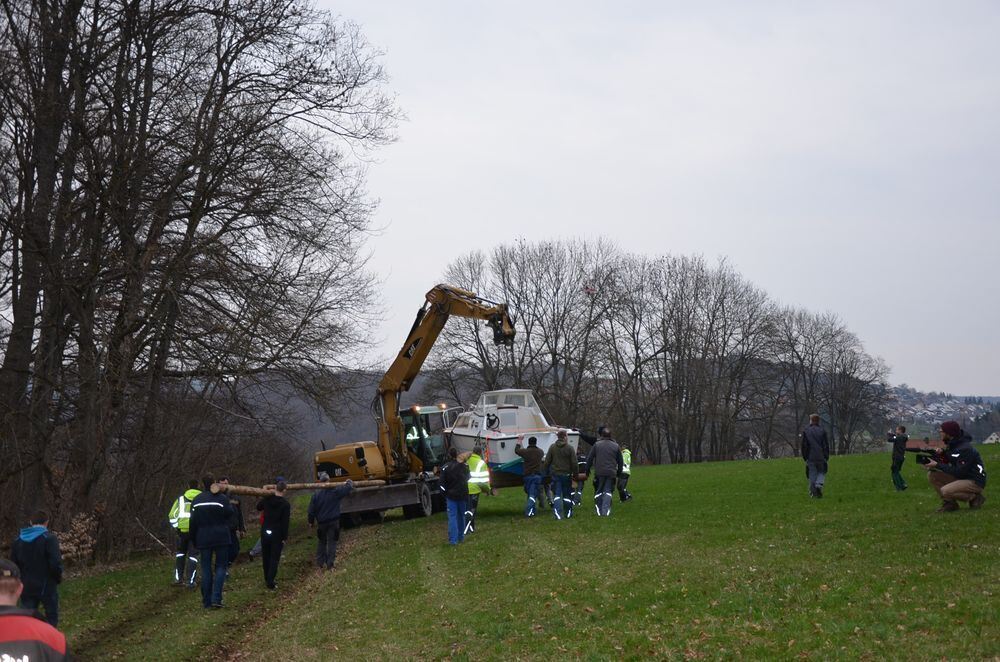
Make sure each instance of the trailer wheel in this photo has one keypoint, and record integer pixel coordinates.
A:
(438, 503)
(423, 508)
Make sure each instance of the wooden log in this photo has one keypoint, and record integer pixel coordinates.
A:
(245, 490)
(329, 485)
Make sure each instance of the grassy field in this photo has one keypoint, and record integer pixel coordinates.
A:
(709, 561)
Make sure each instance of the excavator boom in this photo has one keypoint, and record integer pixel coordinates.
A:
(442, 302)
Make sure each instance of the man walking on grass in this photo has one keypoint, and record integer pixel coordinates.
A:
(324, 512)
(606, 459)
(36, 553)
(455, 485)
(185, 556)
(274, 530)
(237, 525)
(532, 470)
(560, 459)
(816, 453)
(479, 483)
(210, 514)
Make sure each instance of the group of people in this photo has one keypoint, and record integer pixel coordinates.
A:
(209, 527)
(956, 472)
(556, 476)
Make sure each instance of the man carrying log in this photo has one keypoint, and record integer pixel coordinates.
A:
(324, 510)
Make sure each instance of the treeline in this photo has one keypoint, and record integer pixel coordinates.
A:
(182, 208)
(687, 360)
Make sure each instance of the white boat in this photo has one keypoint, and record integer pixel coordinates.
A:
(499, 421)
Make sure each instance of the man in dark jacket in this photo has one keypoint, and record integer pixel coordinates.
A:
(36, 553)
(532, 470)
(898, 441)
(606, 459)
(455, 485)
(816, 453)
(23, 636)
(958, 474)
(210, 515)
(237, 525)
(273, 530)
(324, 510)
(560, 460)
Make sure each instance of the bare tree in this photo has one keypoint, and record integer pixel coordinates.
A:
(184, 215)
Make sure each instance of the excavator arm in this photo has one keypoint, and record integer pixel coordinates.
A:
(443, 301)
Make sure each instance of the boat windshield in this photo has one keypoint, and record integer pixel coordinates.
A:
(510, 399)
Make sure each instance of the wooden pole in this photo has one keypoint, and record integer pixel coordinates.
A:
(268, 490)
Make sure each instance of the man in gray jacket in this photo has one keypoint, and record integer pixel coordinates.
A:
(816, 453)
(606, 458)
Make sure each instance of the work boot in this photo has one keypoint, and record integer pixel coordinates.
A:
(977, 502)
(947, 507)
(819, 492)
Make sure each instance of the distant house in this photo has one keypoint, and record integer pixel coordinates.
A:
(992, 439)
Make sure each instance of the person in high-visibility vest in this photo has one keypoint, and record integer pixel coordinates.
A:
(623, 492)
(180, 519)
(479, 482)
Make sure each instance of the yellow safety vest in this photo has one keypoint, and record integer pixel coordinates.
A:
(180, 513)
(479, 475)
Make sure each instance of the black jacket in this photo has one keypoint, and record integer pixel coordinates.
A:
(964, 461)
(210, 515)
(277, 513)
(455, 480)
(236, 522)
(898, 445)
(815, 447)
(324, 507)
(36, 553)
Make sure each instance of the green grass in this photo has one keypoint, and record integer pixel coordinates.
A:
(719, 560)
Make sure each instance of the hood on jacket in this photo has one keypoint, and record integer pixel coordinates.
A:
(30, 533)
(955, 442)
(561, 441)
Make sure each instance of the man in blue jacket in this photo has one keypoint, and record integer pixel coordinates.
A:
(36, 553)
(210, 514)
(324, 510)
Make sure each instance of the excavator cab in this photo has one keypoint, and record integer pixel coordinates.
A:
(424, 428)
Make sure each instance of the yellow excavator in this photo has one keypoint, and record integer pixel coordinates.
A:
(407, 451)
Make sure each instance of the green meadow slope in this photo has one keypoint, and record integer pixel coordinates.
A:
(718, 560)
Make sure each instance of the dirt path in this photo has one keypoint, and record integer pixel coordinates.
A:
(238, 645)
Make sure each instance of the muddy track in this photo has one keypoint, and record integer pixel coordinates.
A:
(150, 614)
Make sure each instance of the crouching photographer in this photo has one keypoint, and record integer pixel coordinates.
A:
(957, 473)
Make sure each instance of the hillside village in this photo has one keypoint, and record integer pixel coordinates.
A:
(906, 404)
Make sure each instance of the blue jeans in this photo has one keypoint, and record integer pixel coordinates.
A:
(602, 495)
(49, 599)
(532, 486)
(817, 475)
(562, 503)
(456, 520)
(211, 582)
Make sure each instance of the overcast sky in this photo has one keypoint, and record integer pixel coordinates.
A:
(843, 156)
